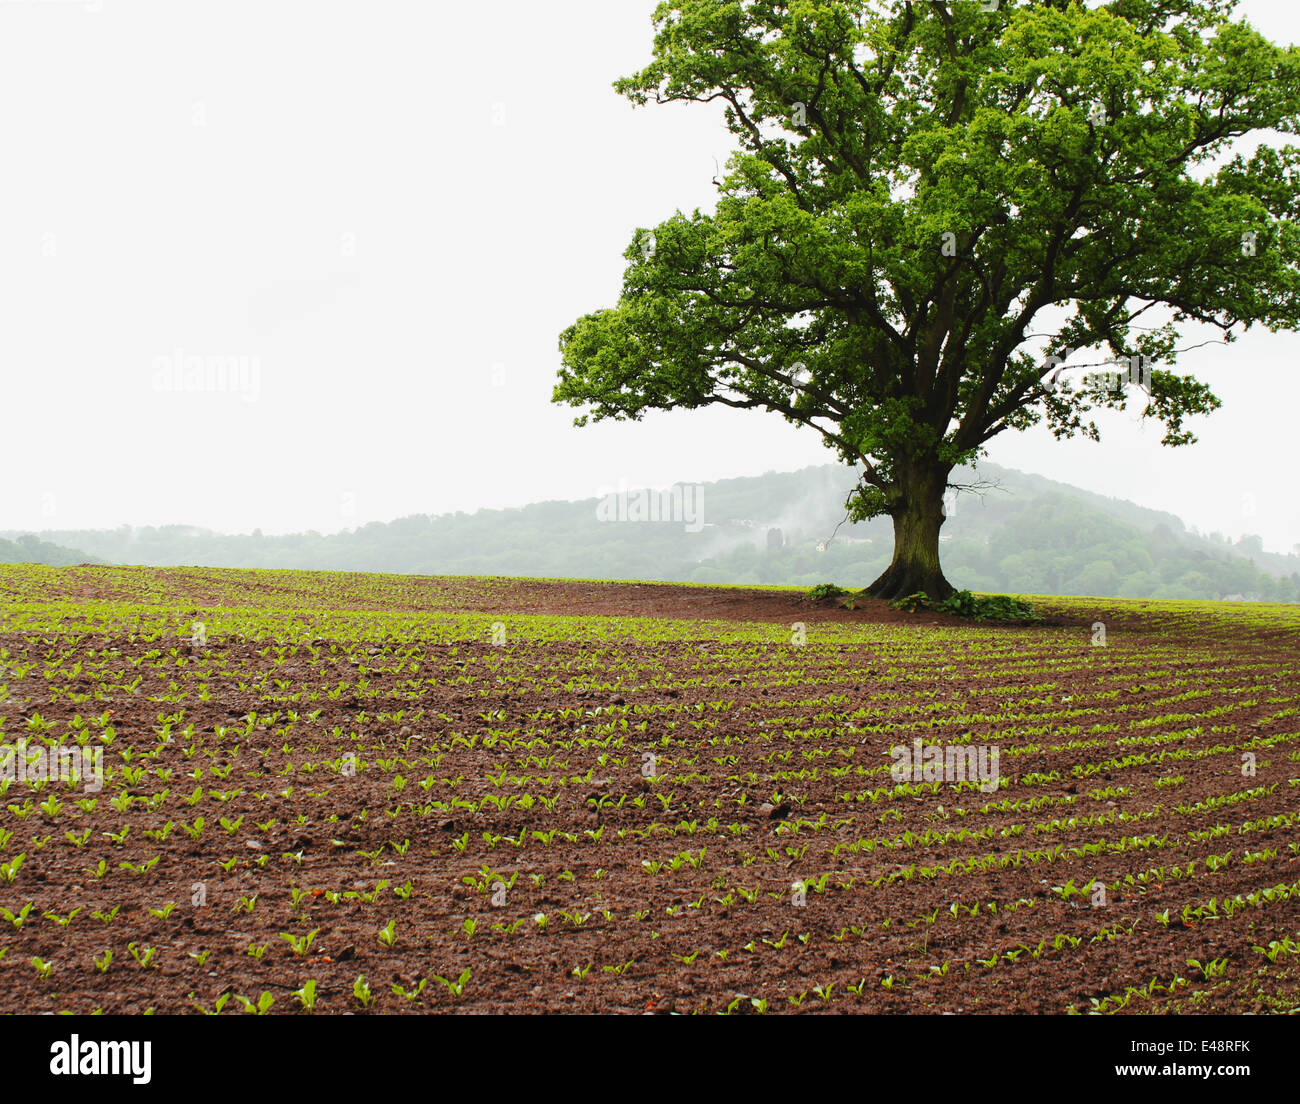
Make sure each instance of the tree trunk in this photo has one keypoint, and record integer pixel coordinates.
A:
(918, 515)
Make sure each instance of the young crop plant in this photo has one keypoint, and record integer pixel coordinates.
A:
(9, 870)
(413, 994)
(62, 921)
(1211, 969)
(260, 1008)
(144, 956)
(218, 1006)
(19, 918)
(362, 993)
(300, 945)
(306, 996)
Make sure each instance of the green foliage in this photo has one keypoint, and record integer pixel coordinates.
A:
(306, 996)
(261, 1008)
(983, 607)
(362, 993)
(300, 944)
(912, 603)
(927, 203)
(824, 591)
(987, 607)
(455, 988)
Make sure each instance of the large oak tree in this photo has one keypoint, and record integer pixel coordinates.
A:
(932, 208)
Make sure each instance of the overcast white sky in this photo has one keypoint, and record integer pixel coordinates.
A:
(395, 207)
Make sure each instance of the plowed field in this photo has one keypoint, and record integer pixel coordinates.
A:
(340, 792)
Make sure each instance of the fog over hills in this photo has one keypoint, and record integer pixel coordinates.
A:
(1006, 531)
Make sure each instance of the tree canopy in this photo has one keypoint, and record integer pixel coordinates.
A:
(936, 212)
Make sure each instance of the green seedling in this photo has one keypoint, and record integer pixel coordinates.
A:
(217, 1008)
(19, 918)
(300, 944)
(455, 988)
(362, 993)
(9, 870)
(142, 954)
(1214, 968)
(261, 1008)
(306, 996)
(410, 994)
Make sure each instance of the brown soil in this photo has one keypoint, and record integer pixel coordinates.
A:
(914, 917)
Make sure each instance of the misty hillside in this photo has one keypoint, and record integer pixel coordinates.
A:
(31, 549)
(1015, 532)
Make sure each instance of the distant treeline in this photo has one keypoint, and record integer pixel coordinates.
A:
(28, 548)
(1019, 533)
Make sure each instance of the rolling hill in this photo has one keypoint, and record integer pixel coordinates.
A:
(1013, 532)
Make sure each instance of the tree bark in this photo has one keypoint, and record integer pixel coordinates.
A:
(918, 515)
